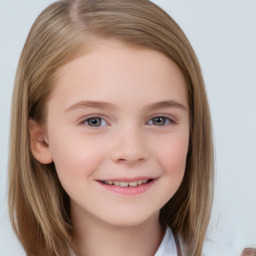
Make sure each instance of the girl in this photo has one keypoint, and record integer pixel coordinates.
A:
(111, 148)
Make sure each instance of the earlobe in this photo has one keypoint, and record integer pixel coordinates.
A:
(39, 143)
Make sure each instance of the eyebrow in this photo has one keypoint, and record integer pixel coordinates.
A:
(166, 104)
(91, 104)
(109, 106)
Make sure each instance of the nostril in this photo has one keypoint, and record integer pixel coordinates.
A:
(130, 158)
(128, 149)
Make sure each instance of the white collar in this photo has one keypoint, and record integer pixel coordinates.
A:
(166, 248)
(168, 245)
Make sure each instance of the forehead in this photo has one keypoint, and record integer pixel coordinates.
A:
(120, 69)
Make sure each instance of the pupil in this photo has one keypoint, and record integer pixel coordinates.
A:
(159, 120)
(95, 122)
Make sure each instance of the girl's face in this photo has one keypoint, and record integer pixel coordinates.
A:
(118, 132)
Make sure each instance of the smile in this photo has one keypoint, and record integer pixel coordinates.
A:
(128, 186)
(126, 183)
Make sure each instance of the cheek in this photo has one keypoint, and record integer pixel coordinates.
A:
(172, 155)
(74, 157)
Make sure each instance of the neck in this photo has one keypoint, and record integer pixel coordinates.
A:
(94, 237)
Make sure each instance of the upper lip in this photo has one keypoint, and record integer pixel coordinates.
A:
(125, 179)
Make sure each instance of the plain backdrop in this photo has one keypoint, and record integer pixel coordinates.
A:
(223, 34)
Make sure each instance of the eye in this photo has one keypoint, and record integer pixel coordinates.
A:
(95, 121)
(160, 121)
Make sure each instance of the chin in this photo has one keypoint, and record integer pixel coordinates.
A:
(126, 220)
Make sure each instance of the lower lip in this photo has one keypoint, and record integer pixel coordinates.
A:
(129, 190)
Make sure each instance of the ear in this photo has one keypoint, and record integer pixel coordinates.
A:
(39, 143)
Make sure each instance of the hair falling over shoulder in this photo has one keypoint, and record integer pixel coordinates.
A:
(39, 207)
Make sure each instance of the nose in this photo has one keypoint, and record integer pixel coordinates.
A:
(129, 146)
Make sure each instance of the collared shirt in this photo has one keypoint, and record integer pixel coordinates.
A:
(166, 248)
(168, 245)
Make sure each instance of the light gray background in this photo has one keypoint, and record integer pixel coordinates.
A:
(223, 34)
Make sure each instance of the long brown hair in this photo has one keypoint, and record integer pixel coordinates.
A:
(39, 207)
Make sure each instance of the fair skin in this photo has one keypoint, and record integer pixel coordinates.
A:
(118, 116)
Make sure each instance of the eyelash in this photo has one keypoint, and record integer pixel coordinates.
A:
(166, 121)
(91, 118)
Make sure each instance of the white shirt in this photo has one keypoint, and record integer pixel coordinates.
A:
(166, 248)
(168, 245)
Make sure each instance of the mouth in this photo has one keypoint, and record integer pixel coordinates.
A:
(128, 186)
(125, 184)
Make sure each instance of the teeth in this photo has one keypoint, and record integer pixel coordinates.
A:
(126, 184)
(133, 184)
(123, 184)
